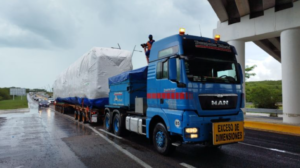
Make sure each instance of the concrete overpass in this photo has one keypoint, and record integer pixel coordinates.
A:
(274, 26)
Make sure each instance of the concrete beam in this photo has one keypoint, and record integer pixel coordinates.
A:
(243, 7)
(268, 26)
(268, 4)
(275, 41)
(219, 9)
(268, 50)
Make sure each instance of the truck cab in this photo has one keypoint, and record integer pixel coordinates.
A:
(194, 94)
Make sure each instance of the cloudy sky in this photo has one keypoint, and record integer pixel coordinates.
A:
(41, 38)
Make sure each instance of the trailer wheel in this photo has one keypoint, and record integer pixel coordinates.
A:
(117, 125)
(161, 140)
(79, 116)
(83, 117)
(75, 115)
(107, 125)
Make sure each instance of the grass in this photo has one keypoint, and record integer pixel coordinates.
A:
(249, 106)
(14, 104)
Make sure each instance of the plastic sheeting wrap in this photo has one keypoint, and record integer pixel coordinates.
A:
(86, 80)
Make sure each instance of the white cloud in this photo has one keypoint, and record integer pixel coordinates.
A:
(38, 23)
(267, 67)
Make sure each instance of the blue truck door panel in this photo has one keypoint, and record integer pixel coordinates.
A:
(152, 112)
(175, 119)
(152, 86)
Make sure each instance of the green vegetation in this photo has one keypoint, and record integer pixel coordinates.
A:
(4, 94)
(7, 102)
(264, 94)
(14, 104)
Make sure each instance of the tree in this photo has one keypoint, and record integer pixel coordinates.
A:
(248, 70)
(4, 94)
(264, 97)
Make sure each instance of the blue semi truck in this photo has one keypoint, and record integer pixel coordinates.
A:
(191, 92)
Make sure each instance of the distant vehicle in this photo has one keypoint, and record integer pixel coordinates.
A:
(51, 100)
(44, 103)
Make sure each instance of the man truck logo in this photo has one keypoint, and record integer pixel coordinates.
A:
(219, 102)
(220, 96)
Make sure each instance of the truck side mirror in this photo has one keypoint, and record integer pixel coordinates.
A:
(172, 70)
(241, 73)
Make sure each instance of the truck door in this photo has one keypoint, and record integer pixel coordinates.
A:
(168, 92)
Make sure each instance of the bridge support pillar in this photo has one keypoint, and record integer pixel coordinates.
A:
(290, 61)
(240, 49)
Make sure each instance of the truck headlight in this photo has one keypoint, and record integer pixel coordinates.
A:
(191, 130)
(191, 136)
(194, 135)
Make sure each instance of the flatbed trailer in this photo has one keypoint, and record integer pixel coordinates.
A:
(81, 113)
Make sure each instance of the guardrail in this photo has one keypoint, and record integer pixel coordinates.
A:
(272, 112)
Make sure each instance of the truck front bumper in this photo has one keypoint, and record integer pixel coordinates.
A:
(197, 129)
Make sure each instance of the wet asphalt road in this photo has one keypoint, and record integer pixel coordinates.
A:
(45, 138)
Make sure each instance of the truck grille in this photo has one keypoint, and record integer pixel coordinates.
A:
(218, 101)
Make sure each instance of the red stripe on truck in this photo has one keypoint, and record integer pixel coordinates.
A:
(178, 95)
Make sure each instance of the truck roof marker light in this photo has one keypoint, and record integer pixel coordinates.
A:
(181, 31)
(217, 37)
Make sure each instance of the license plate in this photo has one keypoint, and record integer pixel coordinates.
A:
(227, 132)
(94, 119)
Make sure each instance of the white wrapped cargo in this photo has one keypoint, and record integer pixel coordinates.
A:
(87, 78)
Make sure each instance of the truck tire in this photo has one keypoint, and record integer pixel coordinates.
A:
(118, 125)
(107, 125)
(161, 140)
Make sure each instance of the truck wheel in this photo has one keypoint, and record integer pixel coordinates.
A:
(117, 125)
(107, 125)
(161, 140)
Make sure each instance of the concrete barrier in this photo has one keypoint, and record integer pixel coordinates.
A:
(279, 128)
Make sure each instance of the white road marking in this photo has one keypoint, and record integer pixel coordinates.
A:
(110, 134)
(139, 161)
(271, 149)
(186, 165)
(142, 163)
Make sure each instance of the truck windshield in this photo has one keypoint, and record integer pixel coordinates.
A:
(210, 62)
(211, 70)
